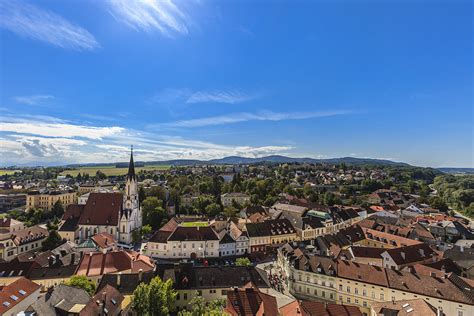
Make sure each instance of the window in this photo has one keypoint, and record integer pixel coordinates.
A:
(331, 296)
(356, 291)
(364, 303)
(381, 296)
(340, 287)
(460, 313)
(348, 289)
(315, 292)
(348, 300)
(364, 292)
(323, 294)
(307, 290)
(185, 296)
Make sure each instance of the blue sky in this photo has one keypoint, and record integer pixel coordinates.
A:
(83, 80)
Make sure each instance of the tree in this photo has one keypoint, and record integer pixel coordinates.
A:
(156, 298)
(153, 212)
(438, 203)
(100, 175)
(53, 241)
(82, 282)
(198, 307)
(141, 299)
(213, 209)
(243, 262)
(58, 209)
(146, 230)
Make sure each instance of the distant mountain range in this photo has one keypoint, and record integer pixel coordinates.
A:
(231, 160)
(457, 170)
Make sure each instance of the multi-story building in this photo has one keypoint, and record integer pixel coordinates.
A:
(184, 242)
(237, 197)
(269, 232)
(46, 199)
(14, 243)
(322, 278)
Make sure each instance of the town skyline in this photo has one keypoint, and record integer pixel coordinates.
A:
(197, 80)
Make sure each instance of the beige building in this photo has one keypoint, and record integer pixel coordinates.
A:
(322, 278)
(240, 198)
(46, 200)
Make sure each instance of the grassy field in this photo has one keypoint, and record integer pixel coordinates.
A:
(5, 171)
(111, 170)
(195, 224)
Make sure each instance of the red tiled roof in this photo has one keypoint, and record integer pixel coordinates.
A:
(250, 301)
(19, 289)
(102, 209)
(104, 240)
(98, 263)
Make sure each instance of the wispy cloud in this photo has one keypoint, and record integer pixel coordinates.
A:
(56, 129)
(33, 22)
(231, 97)
(36, 99)
(244, 117)
(162, 15)
(170, 96)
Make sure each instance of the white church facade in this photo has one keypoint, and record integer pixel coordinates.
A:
(118, 214)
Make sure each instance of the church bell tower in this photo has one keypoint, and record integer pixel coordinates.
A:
(131, 187)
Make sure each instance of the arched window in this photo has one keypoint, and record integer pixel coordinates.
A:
(123, 228)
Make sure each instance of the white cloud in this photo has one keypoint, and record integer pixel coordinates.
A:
(31, 21)
(162, 15)
(36, 99)
(48, 140)
(231, 97)
(51, 129)
(244, 117)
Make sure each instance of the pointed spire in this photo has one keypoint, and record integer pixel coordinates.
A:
(131, 166)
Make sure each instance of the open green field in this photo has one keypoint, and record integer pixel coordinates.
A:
(195, 224)
(111, 170)
(7, 171)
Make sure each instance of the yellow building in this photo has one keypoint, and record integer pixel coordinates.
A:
(46, 200)
(322, 278)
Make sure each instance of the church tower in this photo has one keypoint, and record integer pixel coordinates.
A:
(131, 187)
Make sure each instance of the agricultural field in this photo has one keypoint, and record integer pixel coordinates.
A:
(111, 170)
(8, 172)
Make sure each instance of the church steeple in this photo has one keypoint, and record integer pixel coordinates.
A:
(131, 167)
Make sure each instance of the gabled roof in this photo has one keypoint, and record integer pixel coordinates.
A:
(62, 297)
(107, 301)
(100, 209)
(96, 264)
(411, 254)
(250, 301)
(15, 293)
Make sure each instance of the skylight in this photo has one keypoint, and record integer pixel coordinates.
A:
(22, 292)
(14, 297)
(6, 304)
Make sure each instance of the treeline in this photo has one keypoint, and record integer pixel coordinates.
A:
(457, 192)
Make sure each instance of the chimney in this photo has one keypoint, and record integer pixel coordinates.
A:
(140, 275)
(73, 258)
(439, 312)
(119, 276)
(403, 255)
(461, 248)
(56, 258)
(422, 252)
(51, 261)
